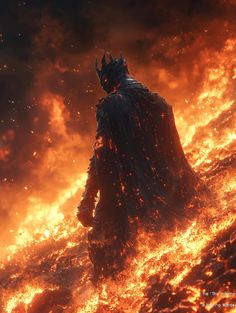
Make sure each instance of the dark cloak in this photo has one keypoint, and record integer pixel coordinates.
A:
(138, 165)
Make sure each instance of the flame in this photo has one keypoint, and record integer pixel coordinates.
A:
(25, 296)
(49, 225)
(45, 218)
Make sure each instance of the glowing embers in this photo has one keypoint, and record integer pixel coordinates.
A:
(99, 143)
(36, 299)
(208, 138)
(23, 297)
(215, 96)
(5, 144)
(46, 219)
(122, 186)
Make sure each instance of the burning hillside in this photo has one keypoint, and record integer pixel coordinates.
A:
(46, 139)
(190, 268)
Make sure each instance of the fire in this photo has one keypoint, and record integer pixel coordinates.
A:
(45, 218)
(49, 235)
(25, 296)
(213, 99)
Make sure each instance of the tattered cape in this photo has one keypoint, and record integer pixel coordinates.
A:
(139, 161)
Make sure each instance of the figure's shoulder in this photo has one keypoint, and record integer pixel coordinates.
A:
(109, 102)
(161, 102)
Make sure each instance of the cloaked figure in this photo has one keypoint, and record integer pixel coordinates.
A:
(138, 166)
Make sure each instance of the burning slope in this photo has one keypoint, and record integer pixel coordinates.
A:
(47, 269)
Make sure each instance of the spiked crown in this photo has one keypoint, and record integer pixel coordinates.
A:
(111, 74)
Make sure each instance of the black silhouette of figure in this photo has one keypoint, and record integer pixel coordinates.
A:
(138, 166)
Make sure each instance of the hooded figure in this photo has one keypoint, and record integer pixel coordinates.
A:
(138, 166)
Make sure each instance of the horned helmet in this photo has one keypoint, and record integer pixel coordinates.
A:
(111, 74)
